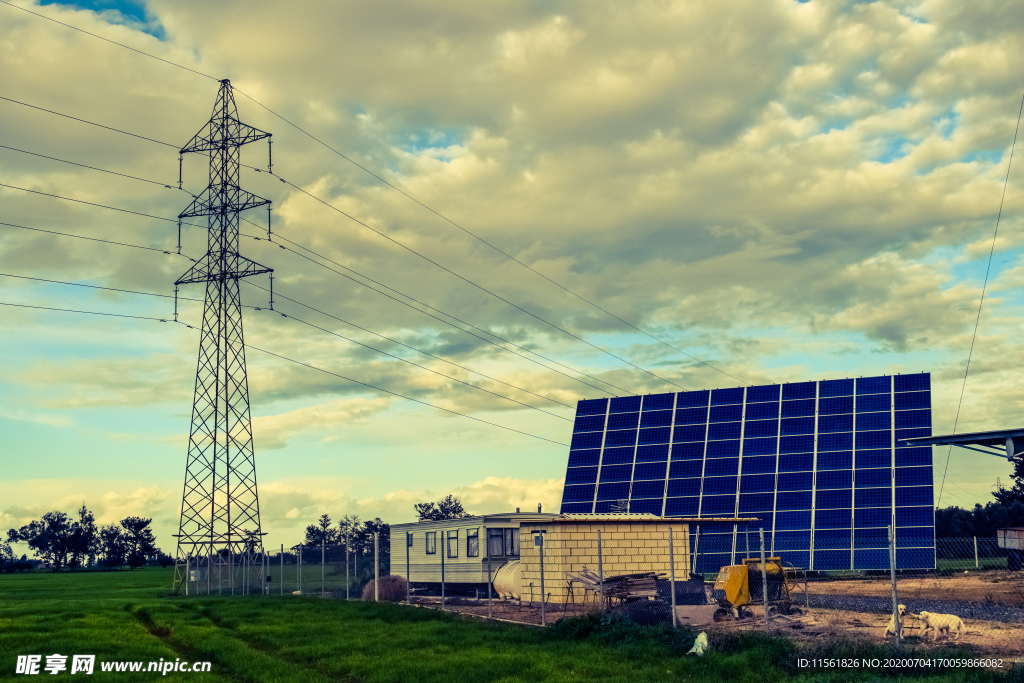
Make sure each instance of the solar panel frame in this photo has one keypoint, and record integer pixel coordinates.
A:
(825, 453)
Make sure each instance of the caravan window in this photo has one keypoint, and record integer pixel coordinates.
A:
(431, 542)
(473, 543)
(503, 542)
(453, 543)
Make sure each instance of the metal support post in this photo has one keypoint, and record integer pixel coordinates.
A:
(348, 579)
(539, 541)
(300, 569)
(376, 566)
(892, 578)
(281, 580)
(188, 576)
(408, 571)
(441, 549)
(764, 576)
(600, 567)
(976, 564)
(490, 605)
(323, 550)
(672, 575)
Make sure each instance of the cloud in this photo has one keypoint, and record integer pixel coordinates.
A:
(751, 180)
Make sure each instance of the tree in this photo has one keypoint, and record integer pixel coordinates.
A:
(6, 557)
(140, 543)
(83, 539)
(347, 532)
(49, 538)
(321, 532)
(112, 545)
(1015, 492)
(448, 507)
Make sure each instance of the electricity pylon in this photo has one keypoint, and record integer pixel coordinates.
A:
(220, 528)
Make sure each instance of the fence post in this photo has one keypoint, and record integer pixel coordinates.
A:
(376, 566)
(672, 575)
(976, 565)
(490, 607)
(323, 549)
(441, 549)
(348, 580)
(543, 594)
(892, 579)
(764, 576)
(281, 581)
(299, 569)
(600, 567)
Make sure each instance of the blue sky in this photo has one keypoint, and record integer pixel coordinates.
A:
(819, 205)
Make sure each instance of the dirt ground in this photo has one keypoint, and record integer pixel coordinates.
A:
(1005, 640)
(999, 587)
(993, 637)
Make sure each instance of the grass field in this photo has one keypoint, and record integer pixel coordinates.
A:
(128, 616)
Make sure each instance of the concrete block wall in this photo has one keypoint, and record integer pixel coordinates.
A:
(628, 548)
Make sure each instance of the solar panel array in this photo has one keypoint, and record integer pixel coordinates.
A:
(819, 463)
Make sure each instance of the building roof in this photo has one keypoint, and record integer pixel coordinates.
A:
(643, 517)
(548, 517)
(1004, 443)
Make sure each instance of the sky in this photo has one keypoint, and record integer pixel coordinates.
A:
(781, 190)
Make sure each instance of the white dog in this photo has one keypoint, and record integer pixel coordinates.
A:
(937, 623)
(890, 629)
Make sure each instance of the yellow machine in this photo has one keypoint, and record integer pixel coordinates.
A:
(741, 585)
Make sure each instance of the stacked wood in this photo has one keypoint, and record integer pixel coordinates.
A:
(642, 585)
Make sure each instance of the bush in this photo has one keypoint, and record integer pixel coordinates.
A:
(392, 589)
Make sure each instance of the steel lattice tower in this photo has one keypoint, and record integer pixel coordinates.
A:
(220, 512)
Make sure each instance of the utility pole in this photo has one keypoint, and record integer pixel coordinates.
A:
(219, 500)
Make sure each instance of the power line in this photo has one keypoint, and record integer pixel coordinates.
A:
(93, 168)
(94, 239)
(418, 365)
(81, 120)
(480, 333)
(296, 319)
(473, 283)
(279, 295)
(75, 310)
(108, 40)
(297, 362)
(408, 195)
(304, 256)
(981, 299)
(408, 398)
(302, 130)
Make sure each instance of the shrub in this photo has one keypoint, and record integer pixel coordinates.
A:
(392, 589)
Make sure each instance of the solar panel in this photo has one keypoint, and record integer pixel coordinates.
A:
(819, 463)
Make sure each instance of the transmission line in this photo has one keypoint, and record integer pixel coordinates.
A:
(421, 203)
(298, 320)
(93, 168)
(304, 256)
(473, 283)
(981, 299)
(279, 295)
(297, 362)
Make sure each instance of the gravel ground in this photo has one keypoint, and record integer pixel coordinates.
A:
(879, 605)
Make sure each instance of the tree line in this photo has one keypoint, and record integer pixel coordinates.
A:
(63, 541)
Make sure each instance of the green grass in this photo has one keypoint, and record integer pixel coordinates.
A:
(129, 616)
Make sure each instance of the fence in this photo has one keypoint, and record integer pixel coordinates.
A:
(325, 570)
(859, 574)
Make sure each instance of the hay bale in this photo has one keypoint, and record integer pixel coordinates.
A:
(392, 589)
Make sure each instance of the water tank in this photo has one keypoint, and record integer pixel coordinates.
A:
(506, 580)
